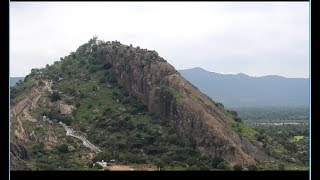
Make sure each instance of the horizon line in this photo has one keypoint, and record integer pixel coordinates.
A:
(240, 73)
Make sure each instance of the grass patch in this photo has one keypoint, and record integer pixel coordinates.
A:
(296, 138)
(39, 111)
(29, 126)
(243, 129)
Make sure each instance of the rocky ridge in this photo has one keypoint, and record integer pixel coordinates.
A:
(167, 94)
(150, 78)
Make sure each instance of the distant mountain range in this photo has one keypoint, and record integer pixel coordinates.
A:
(243, 90)
(14, 80)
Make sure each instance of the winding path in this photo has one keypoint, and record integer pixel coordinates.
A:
(86, 143)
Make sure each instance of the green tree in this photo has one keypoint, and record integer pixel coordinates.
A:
(104, 155)
(55, 96)
(216, 161)
(63, 148)
(281, 167)
(42, 166)
(238, 119)
(238, 167)
(252, 167)
(224, 165)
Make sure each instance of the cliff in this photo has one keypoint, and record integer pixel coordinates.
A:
(167, 94)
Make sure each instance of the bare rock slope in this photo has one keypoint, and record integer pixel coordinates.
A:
(167, 94)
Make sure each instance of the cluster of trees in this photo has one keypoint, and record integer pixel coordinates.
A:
(55, 96)
(109, 77)
(284, 135)
(56, 115)
(235, 115)
(132, 135)
(54, 159)
(265, 114)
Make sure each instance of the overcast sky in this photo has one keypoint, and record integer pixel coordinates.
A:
(255, 38)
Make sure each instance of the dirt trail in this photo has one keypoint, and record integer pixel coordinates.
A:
(142, 167)
(120, 168)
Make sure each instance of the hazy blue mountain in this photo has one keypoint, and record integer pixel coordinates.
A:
(243, 90)
(14, 80)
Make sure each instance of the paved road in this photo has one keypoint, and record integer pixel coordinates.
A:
(86, 143)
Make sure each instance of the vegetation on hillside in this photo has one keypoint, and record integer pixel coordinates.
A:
(116, 121)
(273, 114)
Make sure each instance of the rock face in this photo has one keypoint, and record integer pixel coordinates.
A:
(167, 94)
(20, 113)
(17, 153)
(18, 164)
(18, 150)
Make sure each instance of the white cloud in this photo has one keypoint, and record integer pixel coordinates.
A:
(253, 38)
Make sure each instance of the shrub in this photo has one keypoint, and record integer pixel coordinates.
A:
(40, 83)
(158, 163)
(102, 80)
(81, 63)
(216, 161)
(127, 118)
(60, 117)
(238, 167)
(281, 167)
(36, 149)
(252, 167)
(106, 111)
(166, 159)
(126, 100)
(104, 155)
(63, 148)
(238, 119)
(133, 111)
(98, 166)
(71, 91)
(232, 112)
(93, 69)
(69, 102)
(107, 66)
(55, 96)
(43, 166)
(219, 105)
(224, 165)
(134, 142)
(111, 77)
(81, 95)
(134, 158)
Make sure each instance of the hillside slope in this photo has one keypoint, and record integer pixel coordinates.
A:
(14, 80)
(132, 106)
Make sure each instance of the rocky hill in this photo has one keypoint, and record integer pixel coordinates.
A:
(134, 107)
